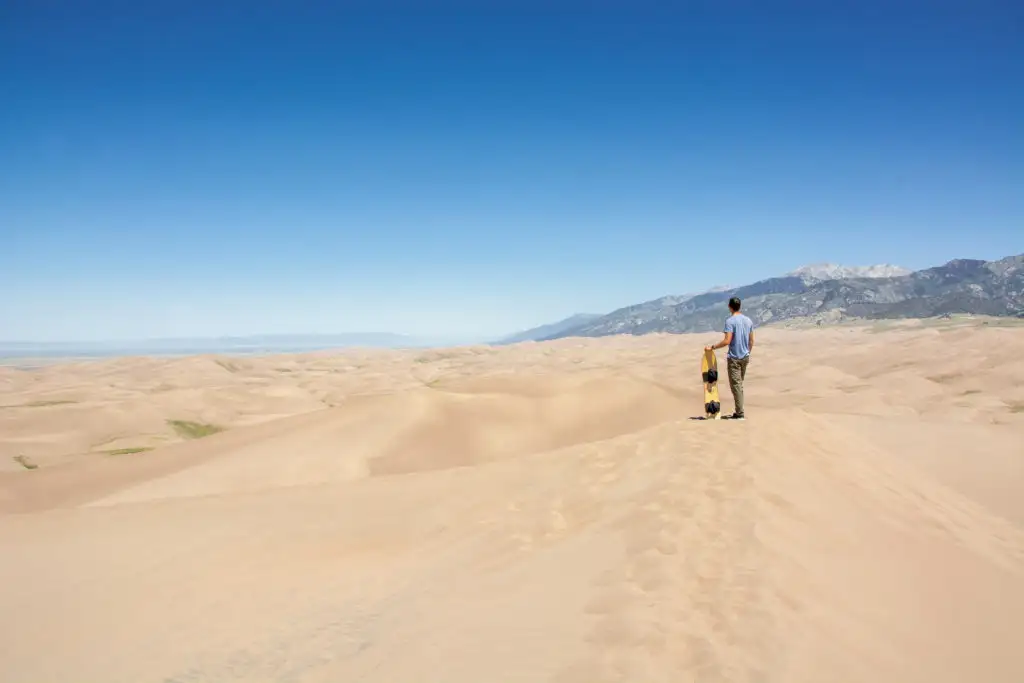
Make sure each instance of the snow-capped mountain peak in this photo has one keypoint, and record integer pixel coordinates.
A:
(834, 271)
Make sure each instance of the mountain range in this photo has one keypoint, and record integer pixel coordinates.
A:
(824, 293)
(820, 292)
(550, 330)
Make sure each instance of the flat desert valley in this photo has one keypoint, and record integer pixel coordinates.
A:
(538, 512)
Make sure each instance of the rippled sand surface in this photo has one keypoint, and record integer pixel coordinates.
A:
(539, 512)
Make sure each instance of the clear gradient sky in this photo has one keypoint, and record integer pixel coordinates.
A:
(188, 169)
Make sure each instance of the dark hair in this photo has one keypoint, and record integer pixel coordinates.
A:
(734, 303)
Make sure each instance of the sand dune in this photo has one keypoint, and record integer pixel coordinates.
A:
(540, 512)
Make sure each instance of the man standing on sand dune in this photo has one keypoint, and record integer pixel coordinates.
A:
(739, 337)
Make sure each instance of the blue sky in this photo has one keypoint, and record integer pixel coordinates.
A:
(187, 169)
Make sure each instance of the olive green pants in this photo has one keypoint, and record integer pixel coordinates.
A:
(737, 373)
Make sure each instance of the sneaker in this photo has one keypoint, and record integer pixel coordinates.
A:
(737, 416)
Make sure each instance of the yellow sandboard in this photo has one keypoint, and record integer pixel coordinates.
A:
(709, 375)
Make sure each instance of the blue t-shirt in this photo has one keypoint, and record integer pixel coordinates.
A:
(740, 326)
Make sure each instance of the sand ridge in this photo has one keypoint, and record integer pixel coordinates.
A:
(536, 512)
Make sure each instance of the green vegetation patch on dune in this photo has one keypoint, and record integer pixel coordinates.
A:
(228, 365)
(40, 404)
(193, 430)
(25, 462)
(945, 378)
(130, 451)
